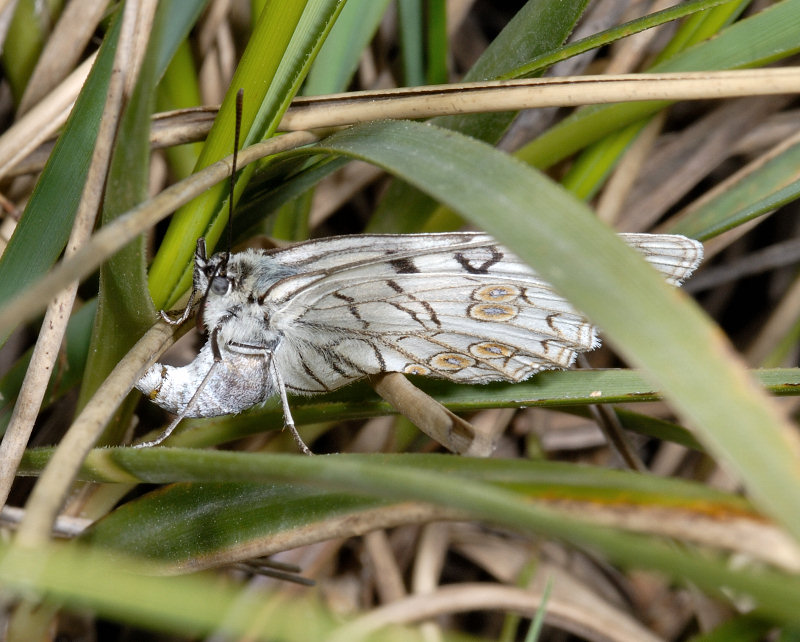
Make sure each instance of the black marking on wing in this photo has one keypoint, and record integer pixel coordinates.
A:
(311, 374)
(431, 311)
(378, 356)
(394, 285)
(425, 304)
(483, 268)
(404, 309)
(352, 308)
(333, 362)
(428, 308)
(404, 265)
(343, 297)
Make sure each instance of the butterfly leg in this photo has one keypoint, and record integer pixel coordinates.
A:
(200, 260)
(288, 422)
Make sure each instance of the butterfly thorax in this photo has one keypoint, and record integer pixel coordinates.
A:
(235, 306)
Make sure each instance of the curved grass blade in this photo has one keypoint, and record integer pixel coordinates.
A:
(653, 326)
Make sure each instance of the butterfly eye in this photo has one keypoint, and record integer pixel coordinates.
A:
(220, 285)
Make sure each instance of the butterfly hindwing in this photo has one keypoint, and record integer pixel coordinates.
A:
(456, 306)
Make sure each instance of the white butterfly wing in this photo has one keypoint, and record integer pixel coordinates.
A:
(456, 306)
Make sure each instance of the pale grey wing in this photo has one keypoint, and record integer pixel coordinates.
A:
(469, 312)
(336, 253)
(470, 329)
(675, 256)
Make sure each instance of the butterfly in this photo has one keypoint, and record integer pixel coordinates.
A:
(318, 315)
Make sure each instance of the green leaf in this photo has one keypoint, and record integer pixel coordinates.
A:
(652, 325)
(433, 480)
(195, 525)
(47, 220)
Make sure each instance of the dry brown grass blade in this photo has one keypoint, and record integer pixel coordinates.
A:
(589, 617)
(189, 125)
(73, 31)
(675, 168)
(431, 417)
(512, 95)
(43, 120)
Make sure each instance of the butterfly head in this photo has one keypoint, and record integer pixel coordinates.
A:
(232, 286)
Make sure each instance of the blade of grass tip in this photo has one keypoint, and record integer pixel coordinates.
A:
(538, 621)
(609, 36)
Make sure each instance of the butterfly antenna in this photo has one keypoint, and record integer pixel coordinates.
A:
(234, 168)
(222, 268)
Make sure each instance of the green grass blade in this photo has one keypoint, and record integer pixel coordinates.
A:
(775, 183)
(767, 36)
(411, 43)
(283, 45)
(190, 525)
(47, 220)
(537, 28)
(531, 67)
(437, 42)
(651, 325)
(776, 594)
(340, 54)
